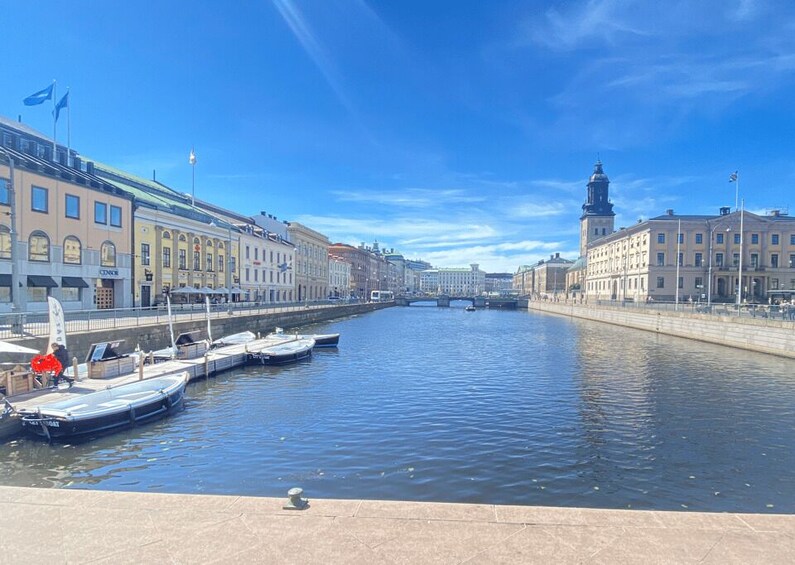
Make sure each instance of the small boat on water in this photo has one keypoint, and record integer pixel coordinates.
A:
(321, 340)
(107, 410)
(470, 308)
(281, 352)
(234, 339)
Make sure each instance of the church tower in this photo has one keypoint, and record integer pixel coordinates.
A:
(597, 213)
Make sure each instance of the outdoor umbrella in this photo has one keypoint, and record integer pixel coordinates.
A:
(185, 290)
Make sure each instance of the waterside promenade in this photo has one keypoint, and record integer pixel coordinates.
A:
(81, 526)
(747, 329)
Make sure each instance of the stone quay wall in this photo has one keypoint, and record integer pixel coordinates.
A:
(775, 337)
(156, 336)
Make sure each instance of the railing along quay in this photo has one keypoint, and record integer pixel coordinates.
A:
(36, 324)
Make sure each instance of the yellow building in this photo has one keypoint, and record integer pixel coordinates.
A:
(178, 246)
(73, 230)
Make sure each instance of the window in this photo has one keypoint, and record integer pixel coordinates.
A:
(699, 259)
(681, 238)
(72, 206)
(596, 231)
(197, 261)
(38, 199)
(737, 239)
(220, 263)
(660, 238)
(661, 259)
(699, 238)
(166, 235)
(660, 282)
(792, 261)
(681, 282)
(774, 260)
(145, 256)
(736, 259)
(166, 257)
(256, 275)
(719, 238)
(699, 282)
(70, 294)
(774, 239)
(72, 251)
(248, 252)
(38, 247)
(5, 242)
(5, 294)
(774, 284)
(115, 216)
(247, 274)
(100, 213)
(209, 261)
(183, 259)
(719, 259)
(38, 293)
(754, 260)
(107, 254)
(755, 239)
(256, 253)
(680, 259)
(5, 197)
(792, 239)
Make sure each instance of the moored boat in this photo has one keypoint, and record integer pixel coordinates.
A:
(470, 308)
(321, 340)
(281, 352)
(107, 410)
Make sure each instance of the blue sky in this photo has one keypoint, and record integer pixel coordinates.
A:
(455, 132)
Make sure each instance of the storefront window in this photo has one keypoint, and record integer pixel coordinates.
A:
(38, 247)
(72, 250)
(108, 254)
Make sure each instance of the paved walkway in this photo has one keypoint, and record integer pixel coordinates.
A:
(80, 526)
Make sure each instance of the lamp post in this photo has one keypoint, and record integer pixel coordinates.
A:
(740, 263)
(709, 270)
(16, 295)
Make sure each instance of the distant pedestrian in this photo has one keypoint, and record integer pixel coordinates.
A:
(62, 355)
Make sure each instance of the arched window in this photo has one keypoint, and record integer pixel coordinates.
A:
(220, 245)
(5, 242)
(182, 237)
(38, 247)
(196, 241)
(107, 254)
(209, 243)
(72, 250)
(166, 235)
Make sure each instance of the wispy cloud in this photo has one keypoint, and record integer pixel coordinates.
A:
(409, 197)
(309, 41)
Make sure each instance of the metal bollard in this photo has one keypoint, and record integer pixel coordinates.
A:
(140, 365)
(296, 502)
(75, 372)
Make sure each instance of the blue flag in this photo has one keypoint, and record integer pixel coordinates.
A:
(63, 103)
(39, 97)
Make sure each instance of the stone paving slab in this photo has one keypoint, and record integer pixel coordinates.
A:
(85, 526)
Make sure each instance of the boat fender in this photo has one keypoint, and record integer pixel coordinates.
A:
(132, 415)
(167, 402)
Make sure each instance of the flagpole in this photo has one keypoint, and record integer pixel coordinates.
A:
(736, 190)
(740, 264)
(68, 127)
(678, 241)
(54, 120)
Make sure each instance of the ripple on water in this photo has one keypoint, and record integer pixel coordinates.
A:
(432, 404)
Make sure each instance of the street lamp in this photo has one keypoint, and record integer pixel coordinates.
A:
(709, 270)
(16, 294)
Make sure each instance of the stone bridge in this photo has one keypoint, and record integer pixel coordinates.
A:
(445, 300)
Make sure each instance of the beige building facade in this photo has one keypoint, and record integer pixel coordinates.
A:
(311, 262)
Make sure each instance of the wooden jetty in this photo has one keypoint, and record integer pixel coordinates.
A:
(211, 362)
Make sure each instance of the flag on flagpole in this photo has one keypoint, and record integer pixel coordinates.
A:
(63, 103)
(733, 177)
(39, 97)
(192, 158)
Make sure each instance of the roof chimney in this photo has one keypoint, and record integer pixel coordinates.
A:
(670, 211)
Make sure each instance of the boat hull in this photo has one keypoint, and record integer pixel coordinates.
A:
(55, 424)
(272, 358)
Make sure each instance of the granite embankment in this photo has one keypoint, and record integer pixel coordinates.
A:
(763, 335)
(155, 334)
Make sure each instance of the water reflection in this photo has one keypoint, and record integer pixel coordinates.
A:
(427, 403)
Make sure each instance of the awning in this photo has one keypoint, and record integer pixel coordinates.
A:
(41, 281)
(5, 280)
(73, 282)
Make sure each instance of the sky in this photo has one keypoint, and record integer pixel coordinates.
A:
(453, 132)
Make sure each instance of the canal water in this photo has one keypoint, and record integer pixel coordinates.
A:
(438, 404)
